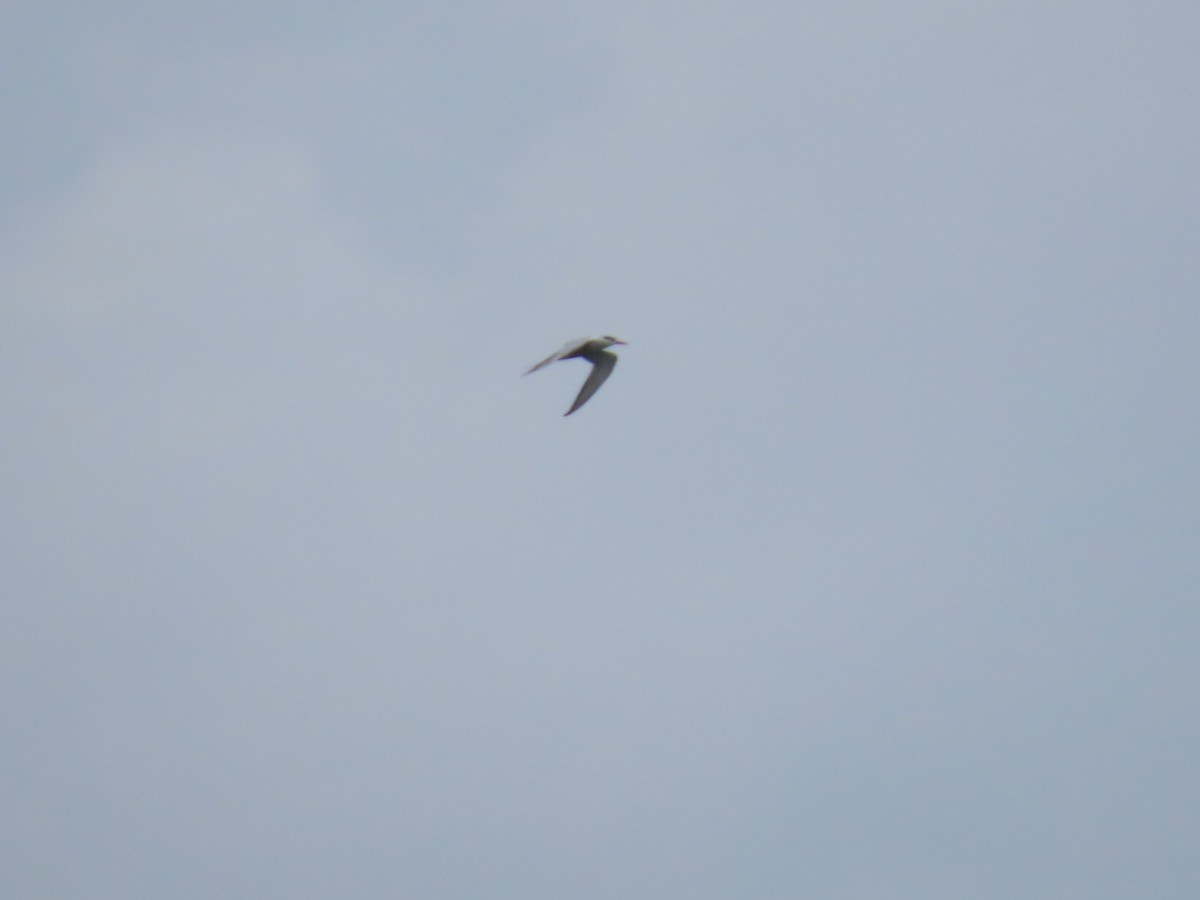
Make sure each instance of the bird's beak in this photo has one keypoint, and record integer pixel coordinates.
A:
(622, 343)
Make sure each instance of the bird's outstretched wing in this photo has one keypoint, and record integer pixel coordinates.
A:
(569, 349)
(603, 363)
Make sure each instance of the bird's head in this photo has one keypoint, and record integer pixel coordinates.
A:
(610, 341)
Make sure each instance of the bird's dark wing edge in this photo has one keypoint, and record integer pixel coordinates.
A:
(603, 363)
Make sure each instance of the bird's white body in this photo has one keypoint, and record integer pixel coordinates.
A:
(595, 351)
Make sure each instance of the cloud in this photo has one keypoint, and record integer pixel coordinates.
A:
(868, 571)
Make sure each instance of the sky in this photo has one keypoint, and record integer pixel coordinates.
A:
(871, 572)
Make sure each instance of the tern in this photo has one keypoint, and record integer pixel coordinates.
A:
(595, 351)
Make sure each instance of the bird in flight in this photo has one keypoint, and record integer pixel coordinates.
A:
(594, 350)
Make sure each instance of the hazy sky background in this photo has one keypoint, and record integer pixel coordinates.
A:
(872, 571)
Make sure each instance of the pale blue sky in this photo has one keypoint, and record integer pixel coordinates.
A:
(871, 572)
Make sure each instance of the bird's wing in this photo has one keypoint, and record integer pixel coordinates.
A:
(602, 366)
(570, 348)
